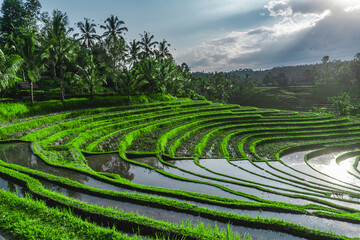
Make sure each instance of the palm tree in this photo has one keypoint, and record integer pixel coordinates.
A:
(147, 44)
(88, 33)
(147, 70)
(131, 82)
(115, 47)
(113, 28)
(60, 49)
(163, 51)
(168, 77)
(115, 60)
(133, 52)
(9, 66)
(90, 76)
(29, 49)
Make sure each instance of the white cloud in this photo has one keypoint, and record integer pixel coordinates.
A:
(352, 8)
(279, 8)
(224, 53)
(298, 22)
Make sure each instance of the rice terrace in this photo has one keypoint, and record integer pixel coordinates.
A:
(158, 168)
(106, 133)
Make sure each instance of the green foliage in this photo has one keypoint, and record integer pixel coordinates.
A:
(10, 111)
(28, 46)
(113, 29)
(90, 77)
(341, 103)
(59, 48)
(88, 33)
(131, 83)
(9, 66)
(223, 87)
(147, 44)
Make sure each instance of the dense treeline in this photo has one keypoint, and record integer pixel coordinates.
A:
(41, 49)
(327, 72)
(220, 86)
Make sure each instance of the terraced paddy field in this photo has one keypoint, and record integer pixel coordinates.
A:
(181, 170)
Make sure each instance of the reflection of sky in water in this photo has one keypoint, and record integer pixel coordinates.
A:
(327, 164)
(295, 158)
(348, 165)
(12, 187)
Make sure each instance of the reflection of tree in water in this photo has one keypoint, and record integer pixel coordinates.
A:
(16, 153)
(111, 163)
(11, 187)
(55, 188)
(21, 154)
(153, 161)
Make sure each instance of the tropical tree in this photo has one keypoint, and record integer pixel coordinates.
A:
(131, 82)
(115, 46)
(87, 34)
(60, 48)
(147, 44)
(169, 77)
(32, 12)
(12, 18)
(341, 103)
(89, 76)
(28, 47)
(133, 52)
(325, 59)
(148, 70)
(163, 51)
(9, 66)
(356, 66)
(357, 56)
(113, 28)
(16, 14)
(115, 60)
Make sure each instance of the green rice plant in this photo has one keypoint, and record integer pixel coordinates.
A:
(28, 218)
(216, 121)
(11, 111)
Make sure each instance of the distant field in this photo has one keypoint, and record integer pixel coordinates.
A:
(299, 98)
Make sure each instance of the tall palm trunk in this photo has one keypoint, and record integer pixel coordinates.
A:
(62, 92)
(91, 92)
(116, 85)
(32, 91)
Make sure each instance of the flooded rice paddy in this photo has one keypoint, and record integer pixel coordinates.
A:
(272, 176)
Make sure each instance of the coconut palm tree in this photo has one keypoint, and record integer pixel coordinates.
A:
(60, 48)
(28, 46)
(163, 51)
(147, 44)
(88, 34)
(9, 66)
(147, 70)
(113, 28)
(133, 52)
(131, 82)
(89, 76)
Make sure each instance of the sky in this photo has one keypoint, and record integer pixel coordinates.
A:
(224, 35)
